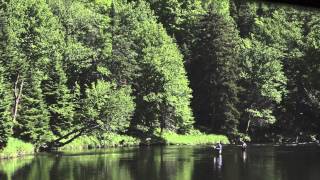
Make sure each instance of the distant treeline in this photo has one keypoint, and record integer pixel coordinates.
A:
(77, 67)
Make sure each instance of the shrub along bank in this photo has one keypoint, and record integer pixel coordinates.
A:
(16, 148)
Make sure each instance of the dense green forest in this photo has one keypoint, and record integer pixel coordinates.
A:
(77, 67)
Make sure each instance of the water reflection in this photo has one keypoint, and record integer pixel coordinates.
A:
(217, 162)
(9, 168)
(168, 163)
(244, 156)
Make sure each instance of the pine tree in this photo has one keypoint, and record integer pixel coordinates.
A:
(33, 117)
(5, 110)
(59, 100)
(214, 73)
(33, 39)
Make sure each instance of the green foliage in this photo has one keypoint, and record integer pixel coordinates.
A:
(33, 118)
(107, 107)
(32, 36)
(244, 13)
(263, 68)
(214, 73)
(220, 7)
(264, 82)
(161, 87)
(312, 47)
(32, 41)
(262, 114)
(83, 142)
(15, 148)
(123, 65)
(76, 68)
(193, 139)
(5, 111)
(284, 29)
(59, 100)
(112, 140)
(104, 140)
(280, 32)
(87, 32)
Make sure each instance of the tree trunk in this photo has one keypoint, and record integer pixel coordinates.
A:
(17, 96)
(248, 126)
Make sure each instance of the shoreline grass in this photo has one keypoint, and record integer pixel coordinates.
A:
(16, 148)
(172, 138)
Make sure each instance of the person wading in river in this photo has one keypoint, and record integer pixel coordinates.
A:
(243, 145)
(218, 147)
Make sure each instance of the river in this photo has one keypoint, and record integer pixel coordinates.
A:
(169, 163)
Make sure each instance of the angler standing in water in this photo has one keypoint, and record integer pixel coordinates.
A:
(218, 148)
(243, 145)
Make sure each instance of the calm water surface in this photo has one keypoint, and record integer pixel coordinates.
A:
(169, 163)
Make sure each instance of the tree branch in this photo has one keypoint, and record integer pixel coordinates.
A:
(78, 132)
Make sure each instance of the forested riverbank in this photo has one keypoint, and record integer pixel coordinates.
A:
(177, 70)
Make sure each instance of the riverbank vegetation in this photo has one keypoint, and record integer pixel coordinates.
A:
(107, 140)
(16, 148)
(74, 71)
(167, 138)
(194, 139)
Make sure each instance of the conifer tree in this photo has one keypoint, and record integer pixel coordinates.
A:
(33, 39)
(6, 123)
(214, 73)
(33, 118)
(59, 100)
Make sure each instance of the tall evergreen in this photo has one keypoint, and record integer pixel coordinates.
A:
(6, 123)
(33, 117)
(59, 100)
(215, 72)
(5, 95)
(33, 40)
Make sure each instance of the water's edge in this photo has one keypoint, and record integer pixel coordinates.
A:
(81, 149)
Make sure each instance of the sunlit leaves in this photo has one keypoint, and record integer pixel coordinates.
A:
(108, 107)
